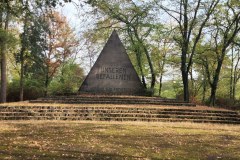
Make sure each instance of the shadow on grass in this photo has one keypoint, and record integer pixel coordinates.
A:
(25, 153)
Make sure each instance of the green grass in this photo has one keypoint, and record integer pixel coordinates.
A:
(116, 140)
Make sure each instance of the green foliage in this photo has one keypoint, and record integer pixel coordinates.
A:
(168, 94)
(7, 37)
(3, 36)
(33, 89)
(171, 89)
(67, 80)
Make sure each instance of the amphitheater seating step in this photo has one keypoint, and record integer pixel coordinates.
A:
(79, 99)
(118, 113)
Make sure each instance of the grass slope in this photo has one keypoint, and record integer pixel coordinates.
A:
(117, 140)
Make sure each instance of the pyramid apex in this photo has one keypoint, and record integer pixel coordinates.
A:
(114, 33)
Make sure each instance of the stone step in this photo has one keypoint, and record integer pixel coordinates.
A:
(113, 102)
(119, 113)
(21, 114)
(113, 110)
(110, 100)
(104, 99)
(97, 116)
(120, 119)
(108, 112)
(107, 98)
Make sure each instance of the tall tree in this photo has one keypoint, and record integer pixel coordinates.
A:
(226, 25)
(61, 44)
(191, 18)
(161, 49)
(235, 71)
(24, 45)
(4, 22)
(29, 11)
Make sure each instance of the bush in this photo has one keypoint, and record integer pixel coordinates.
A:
(228, 103)
(33, 89)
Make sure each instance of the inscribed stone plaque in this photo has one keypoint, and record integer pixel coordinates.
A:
(113, 72)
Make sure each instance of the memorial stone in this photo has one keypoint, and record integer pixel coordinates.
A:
(113, 72)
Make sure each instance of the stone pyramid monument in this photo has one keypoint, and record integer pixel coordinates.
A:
(113, 72)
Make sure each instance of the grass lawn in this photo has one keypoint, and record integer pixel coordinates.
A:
(117, 140)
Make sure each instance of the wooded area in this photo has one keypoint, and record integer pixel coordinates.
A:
(188, 49)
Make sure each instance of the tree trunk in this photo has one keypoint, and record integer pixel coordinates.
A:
(212, 100)
(151, 69)
(184, 76)
(204, 86)
(185, 86)
(21, 83)
(214, 85)
(235, 76)
(185, 44)
(234, 91)
(160, 85)
(24, 43)
(153, 76)
(3, 96)
(235, 80)
(141, 69)
(231, 77)
(193, 90)
(204, 90)
(161, 74)
(138, 57)
(46, 82)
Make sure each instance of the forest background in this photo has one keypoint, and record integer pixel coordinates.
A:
(184, 49)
